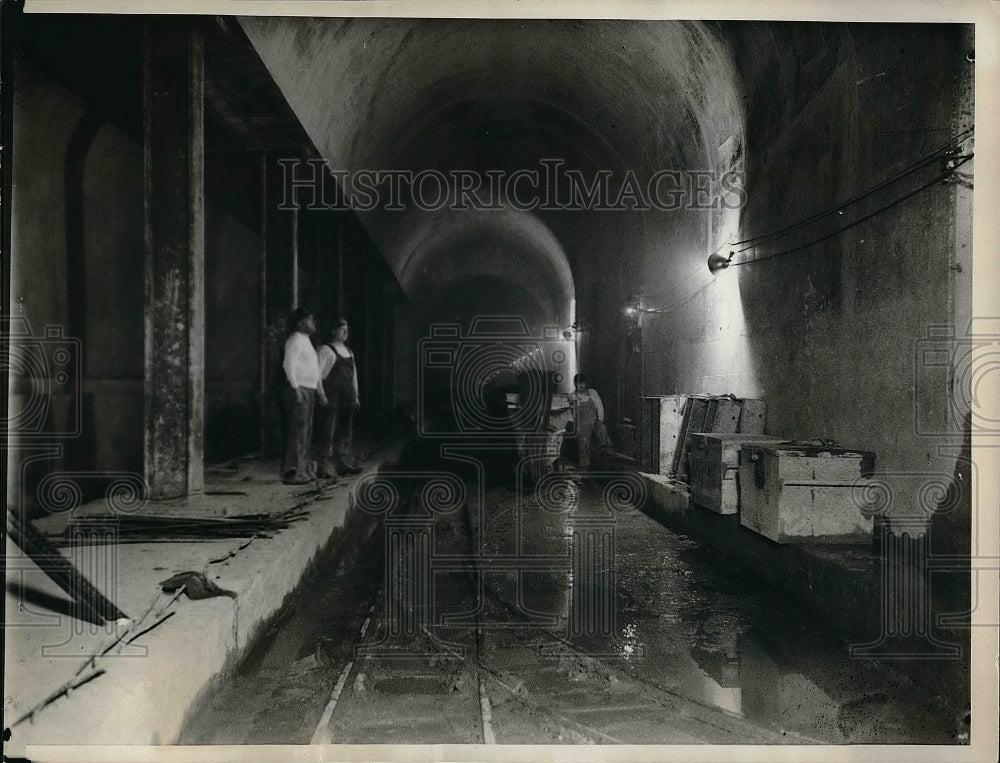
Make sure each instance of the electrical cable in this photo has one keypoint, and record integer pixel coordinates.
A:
(675, 305)
(862, 219)
(925, 161)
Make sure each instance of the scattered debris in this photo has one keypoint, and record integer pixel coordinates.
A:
(73, 683)
(305, 664)
(195, 585)
(146, 529)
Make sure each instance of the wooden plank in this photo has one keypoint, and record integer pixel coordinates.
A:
(660, 421)
(752, 414)
(649, 434)
(706, 474)
(727, 416)
(695, 421)
(713, 406)
(671, 421)
(89, 603)
(681, 435)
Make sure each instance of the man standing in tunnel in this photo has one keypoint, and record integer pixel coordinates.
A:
(589, 418)
(339, 376)
(301, 366)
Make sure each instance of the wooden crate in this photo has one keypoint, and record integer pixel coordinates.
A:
(794, 493)
(725, 415)
(660, 419)
(705, 414)
(714, 466)
(752, 414)
(696, 411)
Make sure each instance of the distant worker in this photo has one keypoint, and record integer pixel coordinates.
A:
(339, 373)
(589, 419)
(304, 388)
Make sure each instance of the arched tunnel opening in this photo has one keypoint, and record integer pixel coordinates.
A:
(518, 381)
(511, 158)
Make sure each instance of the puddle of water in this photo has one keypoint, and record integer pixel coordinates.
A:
(412, 686)
(718, 637)
(690, 624)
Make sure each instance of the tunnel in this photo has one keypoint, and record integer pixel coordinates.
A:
(619, 99)
(606, 283)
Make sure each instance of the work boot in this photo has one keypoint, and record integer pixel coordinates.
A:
(294, 478)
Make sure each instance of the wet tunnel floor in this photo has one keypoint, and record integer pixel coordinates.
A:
(417, 636)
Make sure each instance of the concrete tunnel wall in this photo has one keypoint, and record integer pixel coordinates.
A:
(812, 113)
(78, 264)
(410, 94)
(76, 230)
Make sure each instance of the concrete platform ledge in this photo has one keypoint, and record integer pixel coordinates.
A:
(149, 685)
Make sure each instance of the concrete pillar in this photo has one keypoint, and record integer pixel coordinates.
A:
(173, 116)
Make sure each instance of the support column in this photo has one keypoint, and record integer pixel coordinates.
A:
(173, 117)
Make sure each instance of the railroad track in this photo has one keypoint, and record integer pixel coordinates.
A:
(463, 627)
(450, 652)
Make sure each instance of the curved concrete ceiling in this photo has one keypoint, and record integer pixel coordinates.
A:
(503, 95)
(504, 244)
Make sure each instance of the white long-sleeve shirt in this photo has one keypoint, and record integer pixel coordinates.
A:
(301, 362)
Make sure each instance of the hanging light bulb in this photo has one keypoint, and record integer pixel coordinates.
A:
(717, 262)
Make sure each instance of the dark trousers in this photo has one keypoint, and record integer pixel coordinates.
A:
(336, 423)
(298, 429)
(586, 420)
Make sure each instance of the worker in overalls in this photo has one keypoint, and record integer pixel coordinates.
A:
(340, 382)
(589, 418)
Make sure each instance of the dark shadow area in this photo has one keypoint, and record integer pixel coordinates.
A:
(55, 604)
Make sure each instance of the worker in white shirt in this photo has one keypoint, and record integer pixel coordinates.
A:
(339, 373)
(589, 416)
(304, 389)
